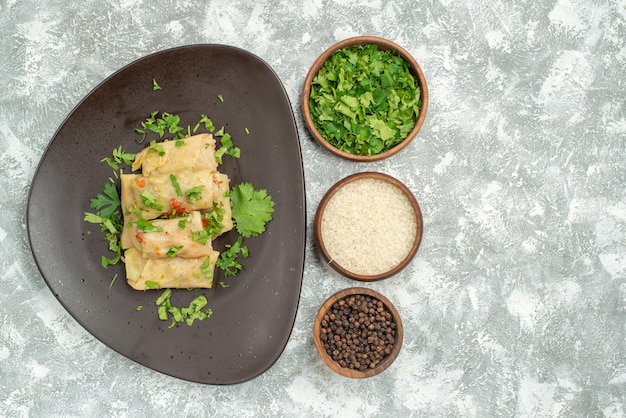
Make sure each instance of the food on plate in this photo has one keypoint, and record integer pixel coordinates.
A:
(172, 212)
(164, 224)
(144, 273)
(169, 237)
(192, 153)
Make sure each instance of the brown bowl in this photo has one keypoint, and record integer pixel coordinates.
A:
(369, 365)
(384, 45)
(338, 261)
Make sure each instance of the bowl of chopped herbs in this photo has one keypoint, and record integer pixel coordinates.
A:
(358, 332)
(365, 98)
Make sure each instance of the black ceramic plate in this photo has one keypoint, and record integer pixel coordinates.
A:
(253, 317)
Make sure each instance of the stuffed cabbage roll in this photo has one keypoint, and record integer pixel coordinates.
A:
(174, 237)
(162, 194)
(161, 273)
(221, 190)
(193, 153)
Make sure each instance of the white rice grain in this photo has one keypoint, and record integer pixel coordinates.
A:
(368, 226)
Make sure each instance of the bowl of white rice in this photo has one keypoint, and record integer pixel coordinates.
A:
(368, 226)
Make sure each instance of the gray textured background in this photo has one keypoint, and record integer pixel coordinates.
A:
(515, 304)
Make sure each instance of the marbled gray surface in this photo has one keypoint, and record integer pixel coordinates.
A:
(515, 304)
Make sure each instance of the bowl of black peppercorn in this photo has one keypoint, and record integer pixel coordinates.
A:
(358, 332)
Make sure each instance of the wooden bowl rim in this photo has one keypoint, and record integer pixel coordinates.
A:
(317, 228)
(319, 346)
(384, 44)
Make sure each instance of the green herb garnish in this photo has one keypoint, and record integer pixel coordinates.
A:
(149, 200)
(195, 311)
(154, 146)
(109, 218)
(227, 260)
(174, 250)
(119, 156)
(227, 147)
(251, 209)
(106, 204)
(214, 219)
(194, 194)
(364, 101)
(176, 185)
(155, 85)
(160, 125)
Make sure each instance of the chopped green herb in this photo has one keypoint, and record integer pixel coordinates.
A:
(112, 281)
(247, 131)
(138, 308)
(150, 284)
(155, 85)
(223, 284)
(195, 311)
(143, 225)
(227, 260)
(176, 185)
(149, 200)
(154, 146)
(214, 219)
(219, 96)
(194, 194)
(251, 209)
(109, 218)
(227, 147)
(182, 224)
(160, 125)
(206, 268)
(174, 250)
(119, 156)
(364, 101)
(208, 124)
(179, 143)
(201, 236)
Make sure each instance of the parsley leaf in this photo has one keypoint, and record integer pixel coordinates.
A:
(251, 209)
(119, 156)
(106, 204)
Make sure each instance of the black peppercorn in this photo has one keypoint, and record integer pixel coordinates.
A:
(359, 331)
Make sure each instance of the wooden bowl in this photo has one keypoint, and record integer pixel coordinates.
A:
(335, 261)
(383, 45)
(321, 327)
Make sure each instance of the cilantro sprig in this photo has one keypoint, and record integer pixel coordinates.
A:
(251, 209)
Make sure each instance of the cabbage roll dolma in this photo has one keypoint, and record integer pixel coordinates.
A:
(193, 153)
(160, 273)
(221, 190)
(170, 238)
(146, 198)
